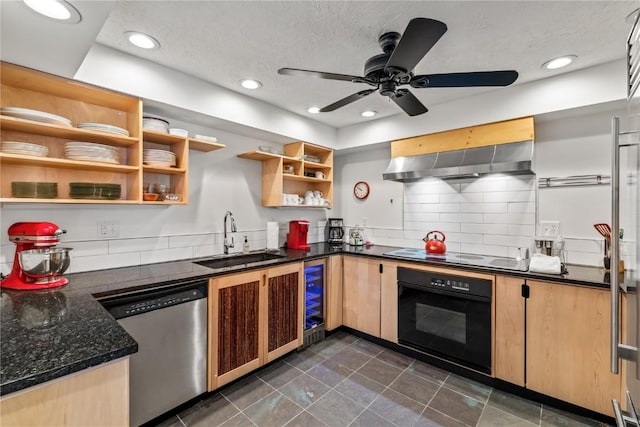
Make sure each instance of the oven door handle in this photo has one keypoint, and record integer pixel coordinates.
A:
(459, 295)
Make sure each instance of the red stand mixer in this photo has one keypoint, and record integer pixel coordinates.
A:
(37, 264)
(297, 237)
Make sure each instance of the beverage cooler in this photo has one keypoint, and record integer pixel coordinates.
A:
(314, 301)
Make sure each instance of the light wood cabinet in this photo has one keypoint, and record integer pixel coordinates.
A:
(82, 103)
(98, 395)
(276, 180)
(254, 317)
(361, 294)
(567, 351)
(509, 330)
(334, 292)
(389, 302)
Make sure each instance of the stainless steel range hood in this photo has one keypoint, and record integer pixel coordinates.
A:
(513, 158)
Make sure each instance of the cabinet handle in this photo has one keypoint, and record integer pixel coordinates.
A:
(264, 280)
(625, 419)
(380, 268)
(525, 290)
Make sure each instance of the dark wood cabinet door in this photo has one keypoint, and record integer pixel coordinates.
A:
(235, 329)
(284, 309)
(238, 322)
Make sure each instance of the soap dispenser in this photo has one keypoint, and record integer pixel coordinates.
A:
(245, 246)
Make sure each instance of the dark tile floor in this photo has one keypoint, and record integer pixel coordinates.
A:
(349, 381)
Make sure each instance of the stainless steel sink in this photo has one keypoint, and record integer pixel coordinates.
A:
(233, 260)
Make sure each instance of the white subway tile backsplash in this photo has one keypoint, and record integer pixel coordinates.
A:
(205, 250)
(7, 253)
(484, 228)
(484, 185)
(521, 183)
(506, 240)
(493, 207)
(419, 216)
(87, 248)
(460, 217)
(422, 198)
(521, 230)
(136, 245)
(191, 240)
(103, 262)
(161, 255)
(445, 227)
(484, 249)
(520, 218)
(521, 207)
(511, 196)
(464, 238)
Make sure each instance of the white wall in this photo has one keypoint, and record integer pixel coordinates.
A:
(126, 73)
(218, 181)
(580, 145)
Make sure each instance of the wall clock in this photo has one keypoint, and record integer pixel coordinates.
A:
(361, 190)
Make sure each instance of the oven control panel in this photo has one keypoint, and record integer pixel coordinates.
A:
(445, 282)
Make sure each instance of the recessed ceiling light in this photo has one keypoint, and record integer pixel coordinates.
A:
(59, 10)
(250, 84)
(368, 113)
(560, 62)
(313, 110)
(142, 40)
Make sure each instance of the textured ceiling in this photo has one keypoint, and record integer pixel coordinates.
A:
(225, 41)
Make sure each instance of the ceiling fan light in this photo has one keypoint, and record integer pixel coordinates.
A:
(59, 10)
(313, 110)
(142, 40)
(368, 113)
(250, 84)
(559, 62)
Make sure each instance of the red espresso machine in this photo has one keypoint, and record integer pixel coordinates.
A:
(297, 236)
(37, 264)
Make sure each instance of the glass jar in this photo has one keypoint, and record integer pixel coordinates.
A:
(356, 236)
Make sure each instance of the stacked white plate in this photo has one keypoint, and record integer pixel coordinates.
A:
(155, 123)
(206, 138)
(163, 158)
(24, 148)
(101, 127)
(91, 152)
(35, 115)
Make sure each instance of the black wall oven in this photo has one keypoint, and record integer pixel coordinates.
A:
(447, 316)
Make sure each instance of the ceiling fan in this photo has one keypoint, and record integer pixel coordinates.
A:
(393, 68)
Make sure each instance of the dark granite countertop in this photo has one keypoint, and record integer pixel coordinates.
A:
(49, 334)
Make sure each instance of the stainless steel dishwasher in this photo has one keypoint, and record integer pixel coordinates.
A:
(170, 326)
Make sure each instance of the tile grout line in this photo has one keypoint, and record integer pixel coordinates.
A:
(485, 406)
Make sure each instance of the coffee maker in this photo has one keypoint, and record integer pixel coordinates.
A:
(334, 231)
(297, 236)
(37, 264)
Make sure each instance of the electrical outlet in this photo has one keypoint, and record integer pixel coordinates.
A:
(550, 228)
(108, 229)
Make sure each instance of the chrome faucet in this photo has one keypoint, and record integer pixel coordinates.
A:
(228, 245)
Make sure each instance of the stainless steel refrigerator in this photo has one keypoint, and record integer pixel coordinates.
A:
(625, 209)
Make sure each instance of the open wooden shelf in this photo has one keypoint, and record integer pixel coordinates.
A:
(77, 201)
(68, 132)
(163, 170)
(276, 182)
(54, 162)
(203, 145)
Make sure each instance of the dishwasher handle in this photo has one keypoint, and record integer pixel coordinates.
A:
(133, 306)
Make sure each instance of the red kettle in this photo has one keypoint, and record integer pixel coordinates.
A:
(435, 243)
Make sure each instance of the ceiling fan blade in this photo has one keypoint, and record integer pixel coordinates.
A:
(408, 102)
(419, 37)
(479, 78)
(348, 100)
(317, 74)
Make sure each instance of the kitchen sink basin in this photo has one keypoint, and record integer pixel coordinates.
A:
(233, 260)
